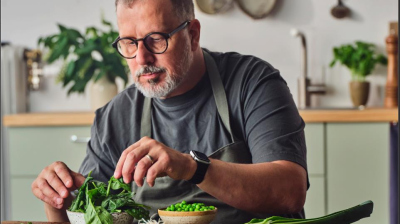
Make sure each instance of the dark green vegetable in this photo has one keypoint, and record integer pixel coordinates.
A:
(185, 207)
(346, 216)
(97, 202)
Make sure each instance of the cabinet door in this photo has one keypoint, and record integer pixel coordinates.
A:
(24, 205)
(34, 148)
(315, 205)
(31, 150)
(358, 168)
(315, 201)
(314, 133)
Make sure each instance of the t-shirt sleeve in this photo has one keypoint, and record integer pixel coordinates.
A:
(273, 127)
(97, 159)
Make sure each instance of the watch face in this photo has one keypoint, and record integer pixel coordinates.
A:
(199, 156)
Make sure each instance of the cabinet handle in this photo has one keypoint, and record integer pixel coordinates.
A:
(77, 139)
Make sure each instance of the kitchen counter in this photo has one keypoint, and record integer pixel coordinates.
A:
(309, 116)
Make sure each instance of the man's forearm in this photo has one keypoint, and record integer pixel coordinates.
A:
(275, 187)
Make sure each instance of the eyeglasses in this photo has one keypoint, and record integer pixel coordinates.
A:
(155, 42)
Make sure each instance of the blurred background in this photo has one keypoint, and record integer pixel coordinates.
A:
(270, 30)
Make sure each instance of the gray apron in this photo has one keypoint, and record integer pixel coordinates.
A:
(167, 191)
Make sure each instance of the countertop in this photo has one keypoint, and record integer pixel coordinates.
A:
(309, 116)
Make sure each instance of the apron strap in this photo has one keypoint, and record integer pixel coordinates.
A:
(219, 92)
(145, 124)
(219, 97)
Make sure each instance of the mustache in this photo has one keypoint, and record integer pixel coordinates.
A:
(149, 69)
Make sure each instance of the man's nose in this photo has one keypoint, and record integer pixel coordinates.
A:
(144, 56)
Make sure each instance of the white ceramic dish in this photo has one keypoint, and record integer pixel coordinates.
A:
(118, 218)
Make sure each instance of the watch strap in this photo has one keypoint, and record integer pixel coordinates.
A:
(200, 173)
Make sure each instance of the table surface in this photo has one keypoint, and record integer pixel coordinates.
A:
(32, 222)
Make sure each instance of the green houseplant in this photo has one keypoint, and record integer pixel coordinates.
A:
(361, 60)
(86, 56)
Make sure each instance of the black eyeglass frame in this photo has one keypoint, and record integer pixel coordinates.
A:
(136, 41)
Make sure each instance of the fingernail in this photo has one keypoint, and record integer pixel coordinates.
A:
(68, 183)
(65, 193)
(59, 201)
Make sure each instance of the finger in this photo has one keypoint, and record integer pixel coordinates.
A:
(78, 179)
(141, 169)
(63, 172)
(39, 194)
(46, 193)
(156, 170)
(121, 161)
(131, 160)
(54, 181)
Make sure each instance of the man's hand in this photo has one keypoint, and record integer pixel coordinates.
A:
(165, 161)
(54, 184)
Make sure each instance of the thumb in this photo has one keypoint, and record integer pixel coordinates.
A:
(78, 179)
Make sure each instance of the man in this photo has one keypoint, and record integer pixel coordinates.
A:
(234, 109)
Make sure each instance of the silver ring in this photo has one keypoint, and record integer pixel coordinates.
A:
(150, 158)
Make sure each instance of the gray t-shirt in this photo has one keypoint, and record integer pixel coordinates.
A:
(262, 111)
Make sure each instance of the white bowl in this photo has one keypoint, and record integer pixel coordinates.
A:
(200, 217)
(118, 218)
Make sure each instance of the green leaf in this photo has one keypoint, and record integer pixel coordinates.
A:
(97, 215)
(117, 184)
(62, 28)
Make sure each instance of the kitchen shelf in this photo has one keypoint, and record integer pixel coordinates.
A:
(309, 116)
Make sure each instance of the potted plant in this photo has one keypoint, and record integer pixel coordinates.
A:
(87, 57)
(360, 59)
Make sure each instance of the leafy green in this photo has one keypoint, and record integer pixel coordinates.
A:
(346, 216)
(359, 59)
(77, 50)
(97, 202)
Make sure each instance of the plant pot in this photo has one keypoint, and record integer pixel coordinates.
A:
(101, 92)
(359, 92)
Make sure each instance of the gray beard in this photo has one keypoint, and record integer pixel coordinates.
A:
(157, 90)
(171, 81)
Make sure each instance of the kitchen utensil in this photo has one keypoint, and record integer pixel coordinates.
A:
(256, 9)
(214, 6)
(340, 11)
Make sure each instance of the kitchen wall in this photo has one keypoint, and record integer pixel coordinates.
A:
(24, 21)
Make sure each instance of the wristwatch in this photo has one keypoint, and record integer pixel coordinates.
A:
(202, 165)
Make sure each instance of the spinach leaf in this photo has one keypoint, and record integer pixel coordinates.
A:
(117, 184)
(97, 215)
(95, 200)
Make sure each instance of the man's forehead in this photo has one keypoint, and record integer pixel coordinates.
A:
(145, 17)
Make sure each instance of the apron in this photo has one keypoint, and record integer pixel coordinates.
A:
(167, 191)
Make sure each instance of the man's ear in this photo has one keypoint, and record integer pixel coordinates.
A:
(194, 33)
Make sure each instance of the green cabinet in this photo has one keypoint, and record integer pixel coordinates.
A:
(348, 163)
(31, 150)
(358, 168)
(315, 205)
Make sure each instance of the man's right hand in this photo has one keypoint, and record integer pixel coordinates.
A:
(54, 184)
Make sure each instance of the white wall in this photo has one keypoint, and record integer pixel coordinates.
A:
(23, 22)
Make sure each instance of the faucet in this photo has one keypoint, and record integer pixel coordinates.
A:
(305, 88)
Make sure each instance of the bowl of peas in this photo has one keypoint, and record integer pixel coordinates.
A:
(188, 213)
